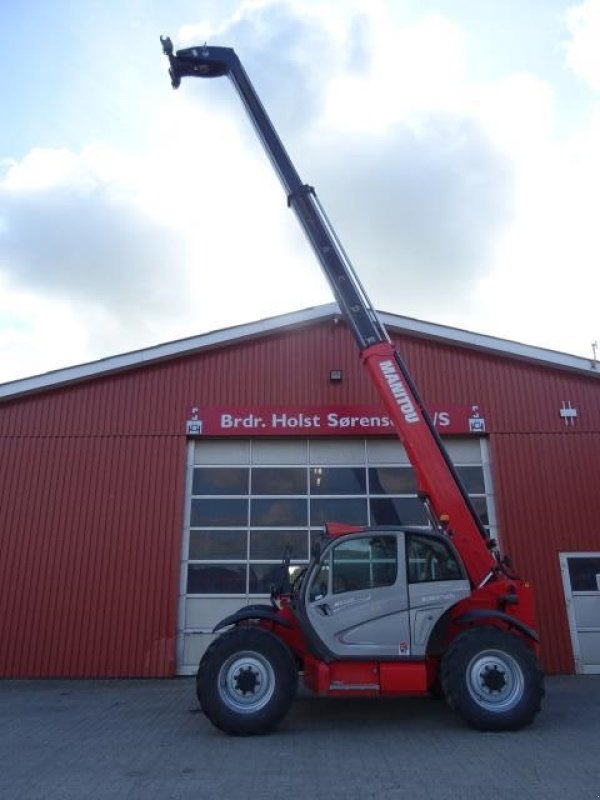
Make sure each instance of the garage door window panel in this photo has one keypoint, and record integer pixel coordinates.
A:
(216, 579)
(397, 511)
(213, 545)
(220, 481)
(263, 577)
(349, 510)
(392, 480)
(275, 512)
(217, 513)
(271, 545)
(480, 506)
(472, 479)
(278, 481)
(337, 480)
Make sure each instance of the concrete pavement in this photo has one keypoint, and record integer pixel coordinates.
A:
(98, 740)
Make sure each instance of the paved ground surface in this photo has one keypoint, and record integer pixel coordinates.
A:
(147, 739)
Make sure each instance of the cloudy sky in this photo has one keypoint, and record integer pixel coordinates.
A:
(454, 144)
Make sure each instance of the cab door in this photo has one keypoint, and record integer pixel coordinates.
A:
(436, 582)
(357, 601)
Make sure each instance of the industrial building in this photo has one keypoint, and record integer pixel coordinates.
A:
(145, 496)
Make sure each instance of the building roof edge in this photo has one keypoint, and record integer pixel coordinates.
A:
(294, 319)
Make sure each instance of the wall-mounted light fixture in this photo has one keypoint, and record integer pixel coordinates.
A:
(336, 375)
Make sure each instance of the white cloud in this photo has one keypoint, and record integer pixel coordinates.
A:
(518, 113)
(398, 78)
(455, 198)
(290, 50)
(583, 50)
(383, 127)
(38, 334)
(73, 229)
(111, 250)
(545, 282)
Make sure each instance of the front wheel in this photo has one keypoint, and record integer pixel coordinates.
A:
(246, 681)
(492, 679)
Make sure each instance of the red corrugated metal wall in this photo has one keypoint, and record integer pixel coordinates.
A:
(547, 487)
(92, 485)
(89, 564)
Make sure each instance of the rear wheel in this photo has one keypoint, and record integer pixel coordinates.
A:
(492, 679)
(246, 681)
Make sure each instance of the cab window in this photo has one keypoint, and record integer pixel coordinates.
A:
(430, 560)
(364, 564)
(320, 584)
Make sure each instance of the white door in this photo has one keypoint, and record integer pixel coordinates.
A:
(581, 580)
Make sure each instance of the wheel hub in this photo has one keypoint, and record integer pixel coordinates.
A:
(246, 680)
(495, 680)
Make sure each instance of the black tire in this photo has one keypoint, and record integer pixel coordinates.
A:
(435, 690)
(246, 681)
(492, 679)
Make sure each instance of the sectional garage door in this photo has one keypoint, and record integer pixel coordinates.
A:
(249, 500)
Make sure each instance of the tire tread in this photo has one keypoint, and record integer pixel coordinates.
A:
(453, 679)
(253, 638)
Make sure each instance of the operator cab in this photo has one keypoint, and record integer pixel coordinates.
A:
(378, 593)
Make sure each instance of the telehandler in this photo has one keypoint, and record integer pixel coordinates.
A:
(378, 610)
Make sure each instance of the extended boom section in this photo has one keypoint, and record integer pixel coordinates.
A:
(211, 62)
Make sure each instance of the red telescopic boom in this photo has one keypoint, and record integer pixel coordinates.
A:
(437, 479)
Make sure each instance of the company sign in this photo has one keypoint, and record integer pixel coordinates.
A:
(347, 420)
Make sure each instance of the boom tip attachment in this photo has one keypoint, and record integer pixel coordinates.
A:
(167, 46)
